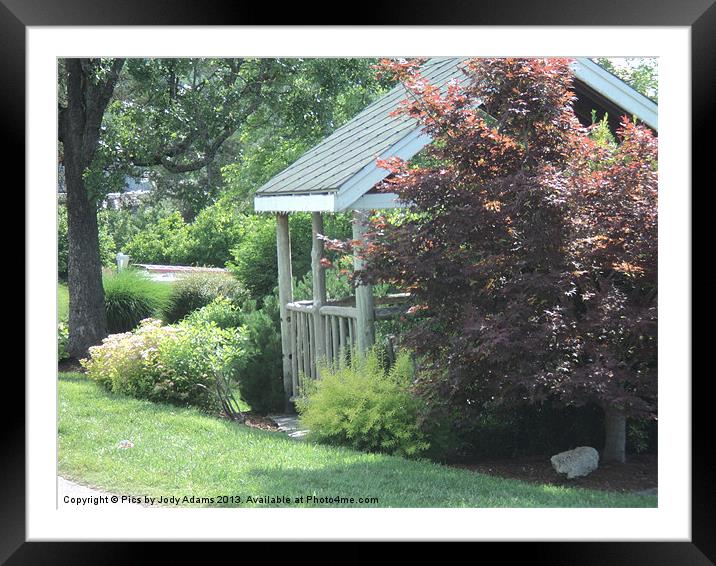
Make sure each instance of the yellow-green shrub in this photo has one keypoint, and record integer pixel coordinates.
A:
(365, 406)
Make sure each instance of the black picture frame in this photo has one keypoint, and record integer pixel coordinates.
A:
(698, 15)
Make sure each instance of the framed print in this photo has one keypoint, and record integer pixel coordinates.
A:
(38, 36)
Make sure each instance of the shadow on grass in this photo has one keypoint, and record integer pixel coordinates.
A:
(392, 482)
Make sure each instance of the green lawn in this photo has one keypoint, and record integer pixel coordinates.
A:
(63, 301)
(180, 452)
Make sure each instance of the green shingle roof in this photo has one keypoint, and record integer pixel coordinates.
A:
(331, 163)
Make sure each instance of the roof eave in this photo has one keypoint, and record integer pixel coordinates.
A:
(617, 91)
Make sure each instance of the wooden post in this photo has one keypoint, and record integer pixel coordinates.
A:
(285, 296)
(319, 287)
(365, 328)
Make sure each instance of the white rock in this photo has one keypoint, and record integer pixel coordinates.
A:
(576, 463)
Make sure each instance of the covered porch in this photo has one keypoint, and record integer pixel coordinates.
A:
(321, 330)
(340, 174)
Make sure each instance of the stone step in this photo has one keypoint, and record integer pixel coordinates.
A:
(289, 424)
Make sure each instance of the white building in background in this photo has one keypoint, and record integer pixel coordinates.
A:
(135, 189)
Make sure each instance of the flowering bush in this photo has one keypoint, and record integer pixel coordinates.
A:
(175, 364)
(63, 335)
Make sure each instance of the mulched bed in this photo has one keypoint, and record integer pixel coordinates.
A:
(258, 421)
(637, 474)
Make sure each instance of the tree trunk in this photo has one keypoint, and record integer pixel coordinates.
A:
(88, 318)
(615, 436)
(79, 130)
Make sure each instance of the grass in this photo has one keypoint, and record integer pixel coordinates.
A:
(180, 452)
(63, 301)
(130, 296)
(164, 289)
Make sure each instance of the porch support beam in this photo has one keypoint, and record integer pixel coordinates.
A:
(365, 322)
(285, 296)
(319, 285)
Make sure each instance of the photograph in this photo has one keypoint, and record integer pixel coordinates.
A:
(360, 283)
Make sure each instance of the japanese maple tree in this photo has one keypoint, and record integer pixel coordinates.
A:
(530, 247)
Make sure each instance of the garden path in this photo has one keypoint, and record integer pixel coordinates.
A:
(288, 423)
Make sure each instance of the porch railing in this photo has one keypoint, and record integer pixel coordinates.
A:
(338, 332)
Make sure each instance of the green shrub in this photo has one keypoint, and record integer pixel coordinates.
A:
(166, 241)
(63, 335)
(254, 258)
(221, 311)
(364, 406)
(196, 356)
(174, 364)
(259, 378)
(260, 382)
(214, 232)
(197, 290)
(129, 297)
(127, 363)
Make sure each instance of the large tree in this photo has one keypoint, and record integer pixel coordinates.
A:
(173, 117)
(89, 86)
(170, 113)
(530, 249)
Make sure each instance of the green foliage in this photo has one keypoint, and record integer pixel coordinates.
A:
(214, 232)
(641, 73)
(337, 286)
(221, 311)
(254, 259)
(641, 435)
(600, 131)
(191, 292)
(125, 223)
(130, 296)
(168, 241)
(107, 247)
(260, 380)
(191, 362)
(363, 405)
(255, 262)
(173, 364)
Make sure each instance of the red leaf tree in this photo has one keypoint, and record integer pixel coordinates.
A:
(529, 247)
